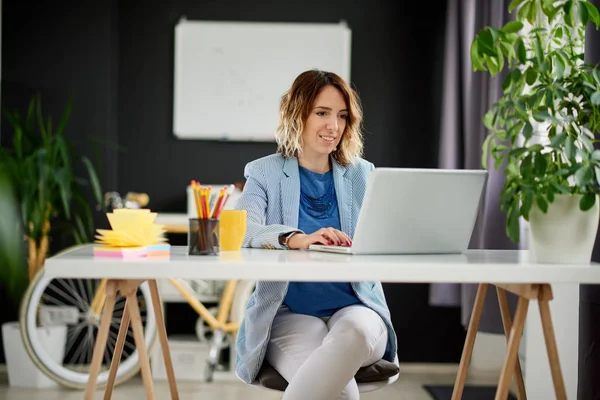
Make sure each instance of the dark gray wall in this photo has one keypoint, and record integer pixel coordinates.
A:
(116, 58)
(395, 63)
(63, 49)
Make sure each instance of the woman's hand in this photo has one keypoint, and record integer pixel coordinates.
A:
(326, 236)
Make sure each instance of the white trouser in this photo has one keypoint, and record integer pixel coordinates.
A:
(319, 356)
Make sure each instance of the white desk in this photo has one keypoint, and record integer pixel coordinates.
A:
(480, 266)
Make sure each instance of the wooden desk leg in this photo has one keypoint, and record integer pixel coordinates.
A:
(513, 348)
(138, 335)
(101, 338)
(507, 322)
(465, 359)
(557, 378)
(162, 336)
(116, 358)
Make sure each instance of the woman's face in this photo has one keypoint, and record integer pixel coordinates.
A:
(326, 123)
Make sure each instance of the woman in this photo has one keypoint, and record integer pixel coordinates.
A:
(311, 192)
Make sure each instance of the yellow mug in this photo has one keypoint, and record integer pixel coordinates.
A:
(232, 229)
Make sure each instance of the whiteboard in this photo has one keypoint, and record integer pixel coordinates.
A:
(229, 76)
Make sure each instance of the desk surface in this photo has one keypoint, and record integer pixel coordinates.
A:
(499, 266)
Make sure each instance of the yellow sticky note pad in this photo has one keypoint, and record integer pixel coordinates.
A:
(131, 228)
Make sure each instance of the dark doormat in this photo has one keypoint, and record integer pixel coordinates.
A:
(444, 392)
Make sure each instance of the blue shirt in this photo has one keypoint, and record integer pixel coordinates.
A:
(318, 209)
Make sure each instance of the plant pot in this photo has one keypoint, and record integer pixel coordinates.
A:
(565, 234)
(22, 372)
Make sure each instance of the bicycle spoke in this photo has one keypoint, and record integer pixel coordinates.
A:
(83, 293)
(67, 296)
(129, 343)
(80, 351)
(90, 291)
(91, 341)
(74, 291)
(109, 346)
(53, 300)
(73, 334)
(119, 306)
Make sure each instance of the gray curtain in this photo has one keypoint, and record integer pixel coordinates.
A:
(467, 95)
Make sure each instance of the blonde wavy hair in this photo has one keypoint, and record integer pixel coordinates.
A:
(296, 105)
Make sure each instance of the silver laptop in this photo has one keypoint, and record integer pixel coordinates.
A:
(416, 211)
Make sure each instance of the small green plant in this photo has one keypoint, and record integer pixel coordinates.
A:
(39, 166)
(544, 126)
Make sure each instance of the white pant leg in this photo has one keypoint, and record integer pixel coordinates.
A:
(320, 360)
(293, 339)
(365, 328)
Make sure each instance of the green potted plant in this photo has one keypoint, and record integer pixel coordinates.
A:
(544, 125)
(40, 196)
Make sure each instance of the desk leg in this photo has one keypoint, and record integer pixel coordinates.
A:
(138, 336)
(507, 322)
(465, 359)
(162, 336)
(513, 348)
(114, 365)
(101, 338)
(557, 377)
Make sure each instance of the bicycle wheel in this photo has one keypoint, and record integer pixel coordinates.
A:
(53, 301)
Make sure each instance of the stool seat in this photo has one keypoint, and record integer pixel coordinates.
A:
(368, 378)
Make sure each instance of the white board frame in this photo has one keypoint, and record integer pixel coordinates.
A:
(229, 76)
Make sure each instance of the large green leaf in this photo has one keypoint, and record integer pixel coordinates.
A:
(560, 188)
(541, 202)
(64, 119)
(570, 10)
(558, 140)
(13, 267)
(593, 13)
(587, 201)
(527, 203)
(485, 150)
(63, 182)
(83, 210)
(539, 164)
(514, 4)
(559, 66)
(93, 179)
(512, 225)
(584, 15)
(475, 59)
(584, 175)
(40, 119)
(80, 229)
(531, 76)
(63, 155)
(521, 52)
(570, 147)
(485, 43)
(512, 26)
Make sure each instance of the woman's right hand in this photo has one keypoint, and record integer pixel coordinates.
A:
(325, 236)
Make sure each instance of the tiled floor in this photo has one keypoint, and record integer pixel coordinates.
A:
(408, 387)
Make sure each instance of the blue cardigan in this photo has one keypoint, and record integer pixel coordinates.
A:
(271, 198)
